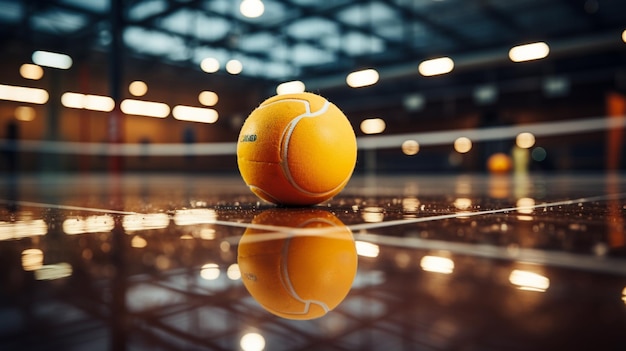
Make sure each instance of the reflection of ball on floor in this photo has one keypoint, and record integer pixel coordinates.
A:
(296, 149)
(302, 273)
(499, 163)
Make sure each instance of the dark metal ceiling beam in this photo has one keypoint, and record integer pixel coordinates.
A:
(503, 19)
(172, 6)
(580, 8)
(447, 32)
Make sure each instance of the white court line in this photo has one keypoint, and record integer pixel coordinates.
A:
(64, 207)
(585, 125)
(534, 256)
(584, 262)
(354, 227)
(366, 226)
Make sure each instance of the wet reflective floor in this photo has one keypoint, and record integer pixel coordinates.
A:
(155, 262)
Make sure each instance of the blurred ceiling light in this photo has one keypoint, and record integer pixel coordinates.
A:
(437, 264)
(52, 59)
(32, 259)
(539, 154)
(624, 36)
(73, 100)
(373, 126)
(414, 102)
(529, 281)
(195, 114)
(292, 87)
(135, 222)
(30, 71)
(25, 113)
(88, 102)
(195, 216)
(210, 271)
(91, 224)
(138, 242)
(410, 147)
(99, 103)
(624, 290)
(23, 94)
(138, 88)
(525, 140)
(252, 342)
(486, 94)
(207, 233)
(53, 271)
(210, 65)
(208, 98)
(525, 205)
(366, 249)
(436, 66)
(462, 145)
(233, 272)
(252, 8)
(373, 214)
(145, 108)
(234, 66)
(225, 246)
(410, 204)
(528, 52)
(362, 78)
(22, 229)
(556, 86)
(462, 203)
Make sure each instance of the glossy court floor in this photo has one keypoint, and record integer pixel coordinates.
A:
(452, 262)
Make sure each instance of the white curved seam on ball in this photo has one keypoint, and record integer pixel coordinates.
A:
(316, 220)
(287, 283)
(264, 192)
(286, 136)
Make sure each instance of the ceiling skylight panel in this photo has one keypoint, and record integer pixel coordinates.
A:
(58, 22)
(312, 28)
(258, 42)
(99, 6)
(368, 14)
(306, 55)
(144, 9)
(152, 42)
(355, 43)
(11, 12)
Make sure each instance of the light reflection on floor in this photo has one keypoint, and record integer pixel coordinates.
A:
(443, 262)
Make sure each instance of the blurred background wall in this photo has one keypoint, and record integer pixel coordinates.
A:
(166, 44)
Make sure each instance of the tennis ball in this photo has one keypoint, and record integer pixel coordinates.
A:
(296, 149)
(301, 270)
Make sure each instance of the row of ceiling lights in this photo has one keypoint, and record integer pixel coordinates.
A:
(356, 79)
(427, 68)
(367, 77)
(101, 103)
(107, 104)
(207, 98)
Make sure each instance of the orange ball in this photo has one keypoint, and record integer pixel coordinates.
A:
(296, 149)
(301, 270)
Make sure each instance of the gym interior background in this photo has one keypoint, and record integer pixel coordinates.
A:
(179, 52)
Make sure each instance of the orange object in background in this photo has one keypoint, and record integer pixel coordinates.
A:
(615, 107)
(499, 163)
